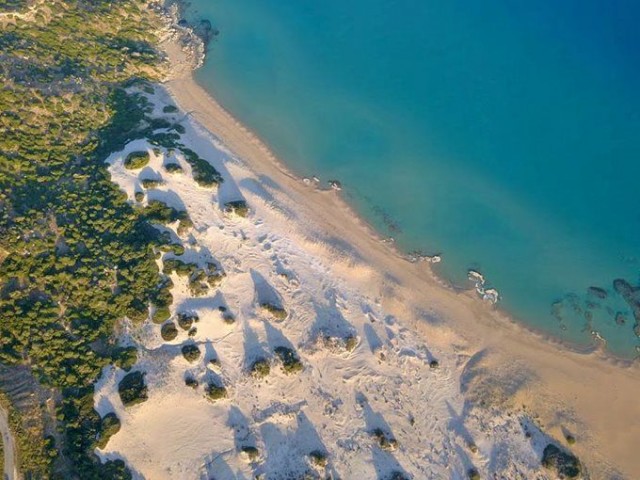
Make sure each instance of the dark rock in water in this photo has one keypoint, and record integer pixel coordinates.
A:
(620, 318)
(597, 292)
(636, 329)
(182, 22)
(623, 287)
(563, 463)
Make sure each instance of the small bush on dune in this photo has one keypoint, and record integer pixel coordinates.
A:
(290, 361)
(132, 389)
(136, 160)
(161, 314)
(386, 442)
(216, 392)
(151, 182)
(125, 357)
(169, 331)
(204, 173)
(187, 319)
(260, 368)
(189, 381)
(139, 196)
(318, 458)
(275, 310)
(250, 453)
(239, 207)
(170, 109)
(173, 168)
(190, 352)
(109, 426)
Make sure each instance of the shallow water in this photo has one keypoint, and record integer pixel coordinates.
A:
(505, 137)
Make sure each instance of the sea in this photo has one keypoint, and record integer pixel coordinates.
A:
(503, 136)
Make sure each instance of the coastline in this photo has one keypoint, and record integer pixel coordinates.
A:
(599, 391)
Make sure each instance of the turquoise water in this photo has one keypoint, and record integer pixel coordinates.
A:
(506, 137)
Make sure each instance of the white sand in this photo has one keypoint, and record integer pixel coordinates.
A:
(305, 248)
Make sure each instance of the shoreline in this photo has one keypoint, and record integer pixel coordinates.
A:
(599, 389)
(195, 57)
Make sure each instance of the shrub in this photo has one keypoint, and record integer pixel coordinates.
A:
(350, 343)
(173, 168)
(136, 160)
(290, 361)
(318, 458)
(132, 389)
(186, 319)
(204, 173)
(239, 207)
(125, 357)
(161, 314)
(189, 381)
(251, 453)
(170, 109)
(215, 279)
(434, 364)
(184, 225)
(190, 352)
(151, 182)
(139, 196)
(473, 474)
(215, 392)
(109, 426)
(169, 331)
(564, 464)
(386, 442)
(275, 310)
(260, 368)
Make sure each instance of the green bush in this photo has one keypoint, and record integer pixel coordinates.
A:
(239, 207)
(169, 109)
(169, 331)
(277, 311)
(216, 392)
(173, 167)
(186, 319)
(204, 173)
(260, 368)
(190, 352)
(132, 389)
(290, 361)
(125, 357)
(136, 160)
(110, 425)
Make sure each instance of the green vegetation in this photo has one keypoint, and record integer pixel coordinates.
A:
(276, 310)
(252, 453)
(260, 368)
(318, 458)
(169, 109)
(216, 392)
(132, 389)
(151, 182)
(290, 361)
(110, 426)
(125, 357)
(203, 172)
(190, 352)
(75, 256)
(169, 331)
(173, 167)
(186, 319)
(136, 160)
(239, 207)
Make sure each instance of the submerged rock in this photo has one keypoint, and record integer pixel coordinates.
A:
(561, 462)
(597, 292)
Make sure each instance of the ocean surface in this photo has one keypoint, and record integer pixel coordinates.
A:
(503, 135)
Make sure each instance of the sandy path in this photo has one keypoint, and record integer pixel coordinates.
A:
(10, 468)
(598, 397)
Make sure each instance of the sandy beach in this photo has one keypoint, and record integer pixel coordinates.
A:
(497, 385)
